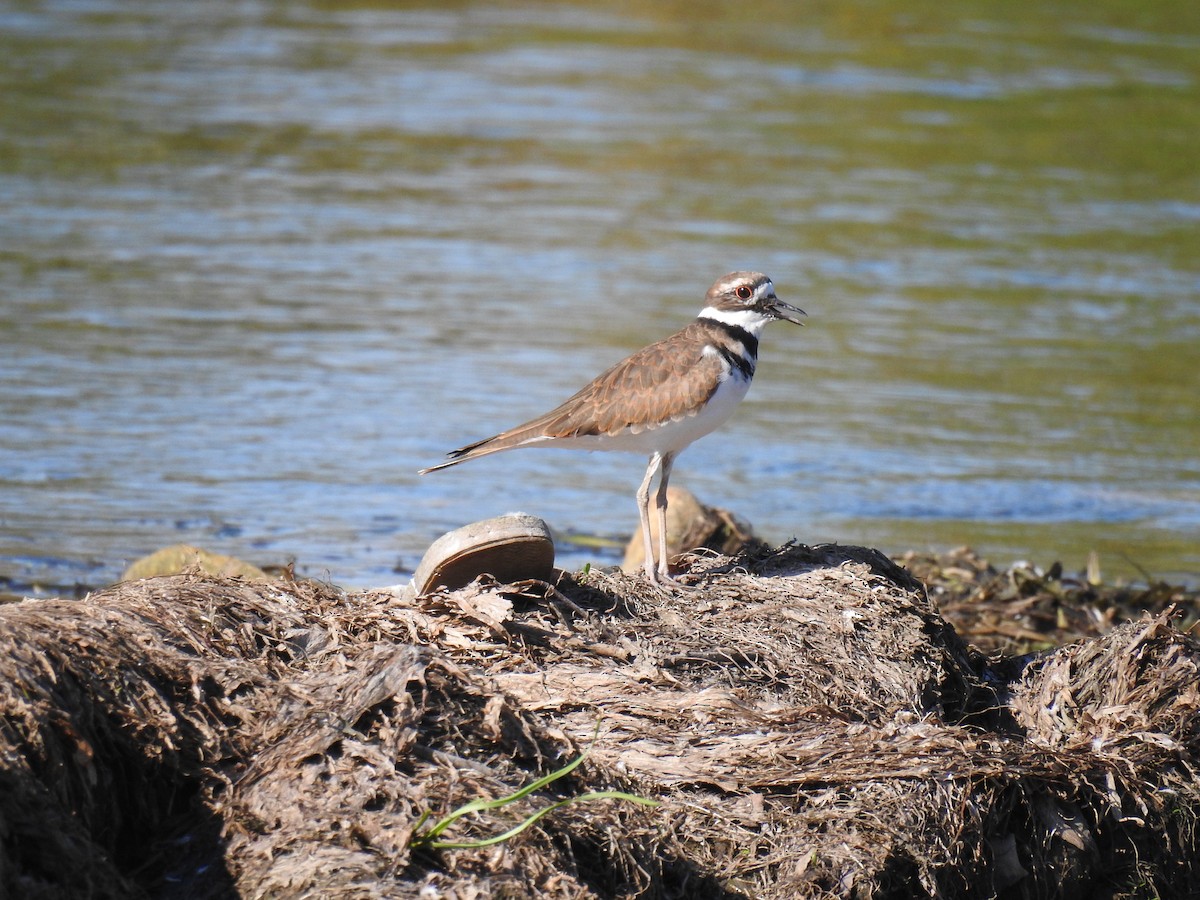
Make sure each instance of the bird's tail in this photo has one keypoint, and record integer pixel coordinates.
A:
(509, 440)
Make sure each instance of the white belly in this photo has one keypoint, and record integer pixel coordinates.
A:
(671, 437)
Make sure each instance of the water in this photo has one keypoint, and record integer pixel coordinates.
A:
(261, 261)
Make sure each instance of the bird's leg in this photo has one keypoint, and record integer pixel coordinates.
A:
(660, 501)
(643, 499)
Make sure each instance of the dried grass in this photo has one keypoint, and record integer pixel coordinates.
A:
(811, 723)
(1025, 608)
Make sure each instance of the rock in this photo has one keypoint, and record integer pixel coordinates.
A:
(509, 548)
(180, 558)
(690, 525)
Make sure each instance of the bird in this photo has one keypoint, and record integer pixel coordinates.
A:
(660, 399)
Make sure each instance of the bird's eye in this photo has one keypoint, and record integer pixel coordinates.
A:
(743, 291)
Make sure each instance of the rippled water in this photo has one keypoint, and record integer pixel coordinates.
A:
(261, 261)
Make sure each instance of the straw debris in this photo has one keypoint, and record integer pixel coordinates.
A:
(810, 723)
(1025, 607)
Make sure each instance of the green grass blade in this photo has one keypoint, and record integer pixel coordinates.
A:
(480, 805)
(517, 829)
(429, 838)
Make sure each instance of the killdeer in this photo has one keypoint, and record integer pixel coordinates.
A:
(662, 398)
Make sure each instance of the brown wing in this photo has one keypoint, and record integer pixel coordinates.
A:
(671, 377)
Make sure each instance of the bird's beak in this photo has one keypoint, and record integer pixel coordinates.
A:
(781, 310)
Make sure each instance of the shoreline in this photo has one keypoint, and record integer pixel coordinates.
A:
(801, 722)
(965, 585)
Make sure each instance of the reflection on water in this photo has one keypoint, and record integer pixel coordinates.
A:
(261, 261)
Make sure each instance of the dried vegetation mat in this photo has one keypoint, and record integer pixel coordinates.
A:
(809, 723)
(1024, 607)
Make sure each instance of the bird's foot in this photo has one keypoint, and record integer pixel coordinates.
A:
(666, 583)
